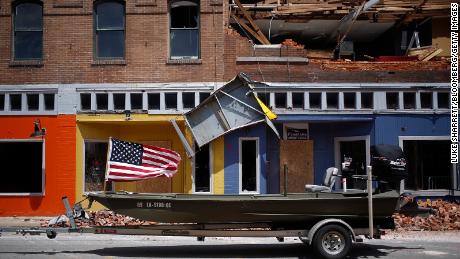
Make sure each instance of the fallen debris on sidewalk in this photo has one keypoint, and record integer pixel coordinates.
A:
(445, 216)
(103, 218)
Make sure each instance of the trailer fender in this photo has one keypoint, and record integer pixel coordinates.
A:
(324, 222)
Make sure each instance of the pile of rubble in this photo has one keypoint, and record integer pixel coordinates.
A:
(99, 218)
(445, 216)
(292, 43)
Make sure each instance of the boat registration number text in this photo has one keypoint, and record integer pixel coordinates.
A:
(161, 205)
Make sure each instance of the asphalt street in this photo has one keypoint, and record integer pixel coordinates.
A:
(109, 246)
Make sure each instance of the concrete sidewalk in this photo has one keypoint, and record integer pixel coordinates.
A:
(23, 221)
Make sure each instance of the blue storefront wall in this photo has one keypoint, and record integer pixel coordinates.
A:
(231, 157)
(382, 129)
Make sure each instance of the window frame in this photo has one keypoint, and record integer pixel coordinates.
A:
(14, 5)
(240, 165)
(83, 161)
(198, 29)
(42, 193)
(95, 31)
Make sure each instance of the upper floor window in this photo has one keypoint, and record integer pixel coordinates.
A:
(109, 29)
(28, 30)
(184, 31)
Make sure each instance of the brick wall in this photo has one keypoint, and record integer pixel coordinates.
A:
(68, 46)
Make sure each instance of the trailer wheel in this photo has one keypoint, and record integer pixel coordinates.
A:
(332, 242)
(51, 234)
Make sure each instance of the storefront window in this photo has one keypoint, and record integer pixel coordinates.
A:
(95, 163)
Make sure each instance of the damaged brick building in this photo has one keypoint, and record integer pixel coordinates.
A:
(341, 75)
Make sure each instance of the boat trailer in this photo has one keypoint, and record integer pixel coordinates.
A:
(330, 238)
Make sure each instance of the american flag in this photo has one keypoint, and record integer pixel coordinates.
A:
(131, 161)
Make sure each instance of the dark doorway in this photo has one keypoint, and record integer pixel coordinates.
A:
(202, 169)
(428, 164)
(353, 156)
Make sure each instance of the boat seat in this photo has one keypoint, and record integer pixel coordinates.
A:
(328, 181)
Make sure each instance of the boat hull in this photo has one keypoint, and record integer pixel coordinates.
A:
(293, 208)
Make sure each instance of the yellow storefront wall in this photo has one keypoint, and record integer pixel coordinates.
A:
(143, 128)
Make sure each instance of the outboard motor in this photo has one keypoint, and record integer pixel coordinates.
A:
(388, 165)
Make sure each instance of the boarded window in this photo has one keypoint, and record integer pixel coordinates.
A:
(202, 169)
(426, 100)
(249, 158)
(29, 177)
(109, 18)
(154, 101)
(367, 100)
(28, 30)
(409, 100)
(15, 102)
(171, 100)
(119, 101)
(32, 102)
(85, 101)
(332, 100)
(102, 101)
(349, 100)
(392, 100)
(443, 100)
(184, 29)
(95, 162)
(49, 102)
(136, 101)
(315, 100)
(280, 100)
(297, 100)
(188, 100)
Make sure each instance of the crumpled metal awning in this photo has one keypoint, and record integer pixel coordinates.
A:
(231, 107)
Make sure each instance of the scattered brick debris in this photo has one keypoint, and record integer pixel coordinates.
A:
(445, 216)
(292, 43)
(105, 218)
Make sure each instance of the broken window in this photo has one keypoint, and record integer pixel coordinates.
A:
(202, 179)
(28, 30)
(171, 100)
(426, 100)
(315, 100)
(249, 159)
(297, 100)
(85, 101)
(49, 102)
(332, 100)
(409, 100)
(119, 101)
(154, 101)
(15, 102)
(32, 102)
(2, 102)
(367, 101)
(109, 19)
(95, 162)
(203, 96)
(188, 100)
(184, 29)
(443, 100)
(102, 101)
(349, 100)
(28, 155)
(280, 100)
(392, 100)
(136, 101)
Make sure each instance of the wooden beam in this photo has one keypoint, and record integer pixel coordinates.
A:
(256, 28)
(246, 27)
